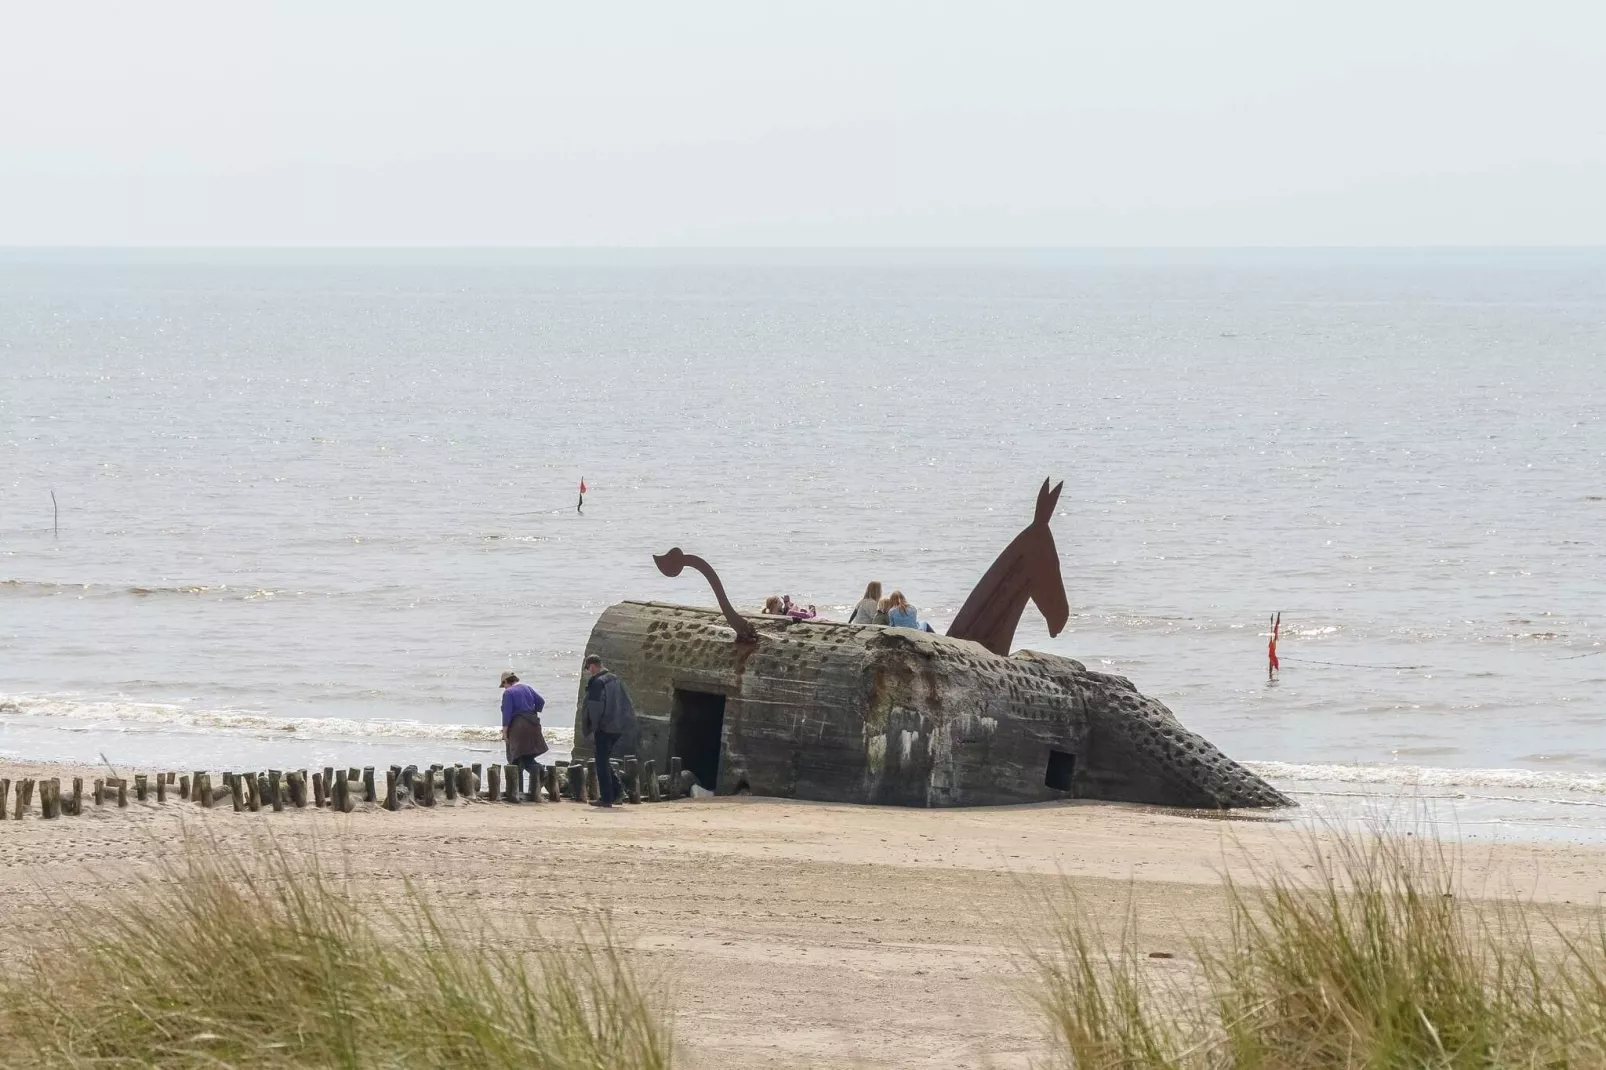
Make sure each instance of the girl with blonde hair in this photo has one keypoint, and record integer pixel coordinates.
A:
(864, 612)
(900, 614)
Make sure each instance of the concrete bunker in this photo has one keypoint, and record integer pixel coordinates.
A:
(815, 709)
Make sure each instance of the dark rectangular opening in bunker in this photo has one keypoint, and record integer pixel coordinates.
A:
(696, 733)
(1061, 767)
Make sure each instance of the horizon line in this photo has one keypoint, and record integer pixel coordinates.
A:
(473, 247)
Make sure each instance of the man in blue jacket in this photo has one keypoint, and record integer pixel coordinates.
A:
(608, 717)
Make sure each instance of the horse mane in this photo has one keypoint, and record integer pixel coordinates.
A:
(993, 610)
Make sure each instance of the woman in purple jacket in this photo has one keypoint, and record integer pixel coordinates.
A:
(521, 724)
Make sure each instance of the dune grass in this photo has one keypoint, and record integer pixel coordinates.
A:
(1374, 961)
(222, 965)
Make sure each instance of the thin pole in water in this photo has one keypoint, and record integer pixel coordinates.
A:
(55, 511)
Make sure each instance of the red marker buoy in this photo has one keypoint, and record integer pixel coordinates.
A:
(580, 508)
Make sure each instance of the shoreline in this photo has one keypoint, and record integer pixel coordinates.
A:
(792, 934)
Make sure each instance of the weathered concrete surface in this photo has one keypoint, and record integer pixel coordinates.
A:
(821, 710)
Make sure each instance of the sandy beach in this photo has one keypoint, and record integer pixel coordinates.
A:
(795, 934)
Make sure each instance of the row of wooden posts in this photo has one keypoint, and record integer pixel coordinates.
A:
(343, 789)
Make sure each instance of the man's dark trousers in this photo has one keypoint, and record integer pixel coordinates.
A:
(606, 781)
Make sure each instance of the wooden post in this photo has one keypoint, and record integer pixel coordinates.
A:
(201, 790)
(341, 797)
(5, 789)
(77, 804)
(317, 790)
(426, 784)
(649, 773)
(49, 809)
(392, 800)
(184, 787)
(512, 782)
(674, 776)
(237, 791)
(251, 787)
(276, 790)
(161, 788)
(593, 784)
(195, 781)
(100, 792)
(449, 782)
(368, 792)
(493, 780)
(141, 786)
(122, 793)
(633, 779)
(328, 786)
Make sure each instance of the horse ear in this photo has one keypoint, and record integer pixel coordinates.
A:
(1046, 500)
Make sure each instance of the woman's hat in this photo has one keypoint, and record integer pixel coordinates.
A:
(510, 677)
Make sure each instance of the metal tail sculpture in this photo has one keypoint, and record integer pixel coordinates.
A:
(671, 564)
(1028, 569)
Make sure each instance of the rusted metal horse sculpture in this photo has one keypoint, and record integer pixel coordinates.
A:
(1028, 569)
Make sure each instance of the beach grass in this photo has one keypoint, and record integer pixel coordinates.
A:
(1370, 957)
(224, 963)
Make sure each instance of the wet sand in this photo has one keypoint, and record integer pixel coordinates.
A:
(794, 934)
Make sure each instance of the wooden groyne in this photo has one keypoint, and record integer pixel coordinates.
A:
(345, 790)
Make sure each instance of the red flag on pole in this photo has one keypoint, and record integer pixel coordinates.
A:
(1272, 665)
(579, 506)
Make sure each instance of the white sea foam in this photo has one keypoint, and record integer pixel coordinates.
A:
(1410, 776)
(116, 715)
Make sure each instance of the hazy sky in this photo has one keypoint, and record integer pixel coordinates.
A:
(809, 123)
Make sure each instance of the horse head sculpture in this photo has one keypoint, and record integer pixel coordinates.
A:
(1027, 570)
(675, 560)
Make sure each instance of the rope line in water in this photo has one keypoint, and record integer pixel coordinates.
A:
(1355, 665)
(1348, 664)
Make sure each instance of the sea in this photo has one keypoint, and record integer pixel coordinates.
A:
(302, 507)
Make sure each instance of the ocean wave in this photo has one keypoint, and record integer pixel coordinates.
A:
(113, 715)
(1421, 776)
(46, 588)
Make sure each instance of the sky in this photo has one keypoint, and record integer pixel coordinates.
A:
(700, 123)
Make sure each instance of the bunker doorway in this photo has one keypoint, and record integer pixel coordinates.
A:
(697, 733)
